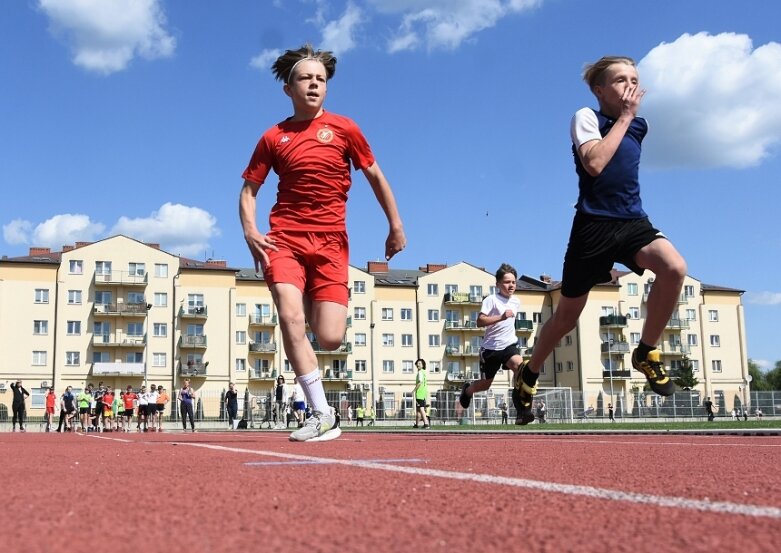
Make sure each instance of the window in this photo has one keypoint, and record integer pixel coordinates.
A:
(691, 314)
(715, 341)
(73, 328)
(537, 317)
(631, 289)
(194, 303)
(103, 297)
(161, 299)
(136, 269)
(76, 267)
(634, 338)
(453, 316)
(135, 298)
(160, 330)
(387, 366)
(406, 340)
(262, 365)
(103, 268)
(74, 297)
(570, 366)
(634, 313)
(387, 313)
(434, 366)
(241, 309)
(688, 291)
(100, 357)
(433, 340)
(713, 315)
(523, 342)
(40, 327)
(264, 337)
(359, 314)
(451, 288)
(287, 367)
(360, 339)
(695, 365)
(559, 367)
(241, 365)
(135, 329)
(405, 313)
(159, 359)
(161, 270)
(475, 293)
(432, 289)
(691, 339)
(195, 330)
(72, 358)
(406, 367)
(41, 295)
(360, 365)
(241, 337)
(387, 340)
(359, 287)
(716, 365)
(433, 315)
(568, 340)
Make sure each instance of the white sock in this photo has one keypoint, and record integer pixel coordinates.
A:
(312, 385)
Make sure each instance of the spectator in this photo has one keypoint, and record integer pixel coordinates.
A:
(118, 411)
(186, 398)
(370, 415)
(359, 411)
(232, 404)
(503, 409)
(84, 400)
(130, 401)
(143, 401)
(108, 409)
(67, 410)
(51, 400)
(20, 394)
(610, 412)
(162, 400)
(542, 410)
(151, 407)
(299, 402)
(708, 404)
(759, 414)
(420, 394)
(280, 402)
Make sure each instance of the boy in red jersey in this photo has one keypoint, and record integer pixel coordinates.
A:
(304, 256)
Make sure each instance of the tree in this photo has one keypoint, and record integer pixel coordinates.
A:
(773, 377)
(686, 379)
(758, 379)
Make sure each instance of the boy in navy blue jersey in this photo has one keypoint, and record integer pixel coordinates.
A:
(609, 226)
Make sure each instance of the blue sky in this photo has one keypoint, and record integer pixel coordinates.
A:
(138, 117)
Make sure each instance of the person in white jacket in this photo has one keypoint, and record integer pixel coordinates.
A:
(280, 402)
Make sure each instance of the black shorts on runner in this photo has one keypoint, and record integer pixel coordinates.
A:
(493, 360)
(596, 243)
(418, 402)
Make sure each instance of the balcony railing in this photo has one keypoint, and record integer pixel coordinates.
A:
(463, 297)
(118, 340)
(346, 347)
(524, 325)
(118, 369)
(617, 373)
(677, 324)
(121, 278)
(263, 347)
(193, 369)
(332, 374)
(198, 341)
(612, 321)
(615, 347)
(194, 312)
(675, 349)
(121, 309)
(262, 320)
(262, 374)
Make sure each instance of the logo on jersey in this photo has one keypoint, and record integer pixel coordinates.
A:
(284, 139)
(325, 135)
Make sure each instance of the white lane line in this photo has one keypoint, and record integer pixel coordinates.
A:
(327, 461)
(623, 442)
(567, 489)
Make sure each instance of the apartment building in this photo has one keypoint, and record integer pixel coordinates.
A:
(126, 313)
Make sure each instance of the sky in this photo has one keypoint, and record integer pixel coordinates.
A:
(138, 117)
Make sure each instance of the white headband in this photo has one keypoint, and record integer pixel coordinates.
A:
(289, 75)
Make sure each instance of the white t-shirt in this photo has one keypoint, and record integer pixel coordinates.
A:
(298, 393)
(502, 334)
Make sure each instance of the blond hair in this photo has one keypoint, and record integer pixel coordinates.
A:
(286, 63)
(593, 73)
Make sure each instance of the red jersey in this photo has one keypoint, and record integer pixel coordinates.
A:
(312, 159)
(50, 399)
(128, 399)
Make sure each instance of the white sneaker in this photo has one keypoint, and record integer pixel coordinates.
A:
(320, 427)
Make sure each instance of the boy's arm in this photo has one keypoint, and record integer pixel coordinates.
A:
(396, 240)
(256, 241)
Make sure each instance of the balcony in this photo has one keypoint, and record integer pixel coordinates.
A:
(263, 374)
(263, 347)
(677, 324)
(121, 278)
(338, 375)
(194, 312)
(118, 369)
(345, 348)
(675, 349)
(192, 369)
(614, 347)
(622, 374)
(612, 321)
(118, 339)
(121, 309)
(195, 342)
(467, 325)
(262, 320)
(463, 298)
(524, 325)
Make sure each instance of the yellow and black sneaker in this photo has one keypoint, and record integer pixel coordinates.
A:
(523, 396)
(654, 372)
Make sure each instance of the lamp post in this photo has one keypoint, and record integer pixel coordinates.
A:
(610, 363)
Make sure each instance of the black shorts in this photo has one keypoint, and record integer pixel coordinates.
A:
(418, 402)
(160, 407)
(83, 410)
(596, 243)
(493, 360)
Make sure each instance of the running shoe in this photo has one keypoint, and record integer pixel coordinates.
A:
(320, 427)
(523, 396)
(465, 399)
(654, 372)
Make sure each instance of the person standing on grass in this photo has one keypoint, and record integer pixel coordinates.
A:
(420, 395)
(305, 254)
(610, 412)
(186, 398)
(500, 344)
(610, 226)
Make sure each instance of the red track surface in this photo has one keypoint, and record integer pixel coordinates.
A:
(214, 492)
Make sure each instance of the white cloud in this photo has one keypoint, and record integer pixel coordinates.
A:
(712, 101)
(17, 232)
(179, 229)
(265, 59)
(764, 298)
(338, 35)
(105, 35)
(763, 364)
(66, 229)
(445, 24)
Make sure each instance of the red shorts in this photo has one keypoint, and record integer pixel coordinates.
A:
(314, 262)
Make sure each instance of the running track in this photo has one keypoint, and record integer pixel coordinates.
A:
(376, 492)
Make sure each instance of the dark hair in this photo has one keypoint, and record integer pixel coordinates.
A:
(503, 270)
(283, 67)
(423, 361)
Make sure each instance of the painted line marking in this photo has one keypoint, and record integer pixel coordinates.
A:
(327, 462)
(567, 489)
